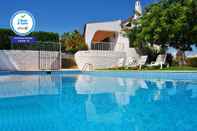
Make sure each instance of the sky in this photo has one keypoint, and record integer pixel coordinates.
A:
(67, 15)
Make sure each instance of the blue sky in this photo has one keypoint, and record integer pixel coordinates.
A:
(66, 15)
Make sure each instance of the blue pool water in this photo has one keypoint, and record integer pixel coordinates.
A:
(99, 101)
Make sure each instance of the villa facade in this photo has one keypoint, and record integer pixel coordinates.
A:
(108, 46)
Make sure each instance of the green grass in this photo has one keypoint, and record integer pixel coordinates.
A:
(173, 68)
(182, 68)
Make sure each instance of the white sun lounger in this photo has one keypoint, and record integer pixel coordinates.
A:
(133, 62)
(160, 61)
(142, 61)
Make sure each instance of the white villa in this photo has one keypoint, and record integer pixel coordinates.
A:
(108, 47)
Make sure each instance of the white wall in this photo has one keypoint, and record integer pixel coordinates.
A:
(92, 28)
(26, 60)
(99, 59)
(108, 59)
(123, 45)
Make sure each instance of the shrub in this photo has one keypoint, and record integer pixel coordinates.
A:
(192, 61)
(5, 35)
(175, 63)
(169, 59)
(73, 42)
(68, 63)
(46, 36)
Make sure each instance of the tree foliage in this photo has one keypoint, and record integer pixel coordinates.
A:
(6, 34)
(46, 36)
(73, 42)
(5, 38)
(168, 23)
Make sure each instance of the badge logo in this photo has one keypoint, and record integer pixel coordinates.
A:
(22, 23)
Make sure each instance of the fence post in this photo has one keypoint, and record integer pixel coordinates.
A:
(60, 53)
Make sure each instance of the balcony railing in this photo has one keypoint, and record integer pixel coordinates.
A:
(102, 46)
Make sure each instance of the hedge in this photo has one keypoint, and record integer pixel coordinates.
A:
(192, 61)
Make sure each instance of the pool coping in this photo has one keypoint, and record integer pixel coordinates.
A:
(101, 71)
(40, 72)
(147, 71)
(174, 75)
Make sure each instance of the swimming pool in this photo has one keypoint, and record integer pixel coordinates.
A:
(98, 101)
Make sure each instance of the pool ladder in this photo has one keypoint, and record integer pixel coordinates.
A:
(87, 67)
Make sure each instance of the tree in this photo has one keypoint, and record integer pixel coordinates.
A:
(143, 47)
(73, 42)
(168, 23)
(5, 35)
(42, 37)
(46, 36)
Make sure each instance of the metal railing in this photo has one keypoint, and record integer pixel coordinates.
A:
(87, 67)
(102, 46)
(49, 56)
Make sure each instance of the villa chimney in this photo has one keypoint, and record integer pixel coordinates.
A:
(138, 10)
